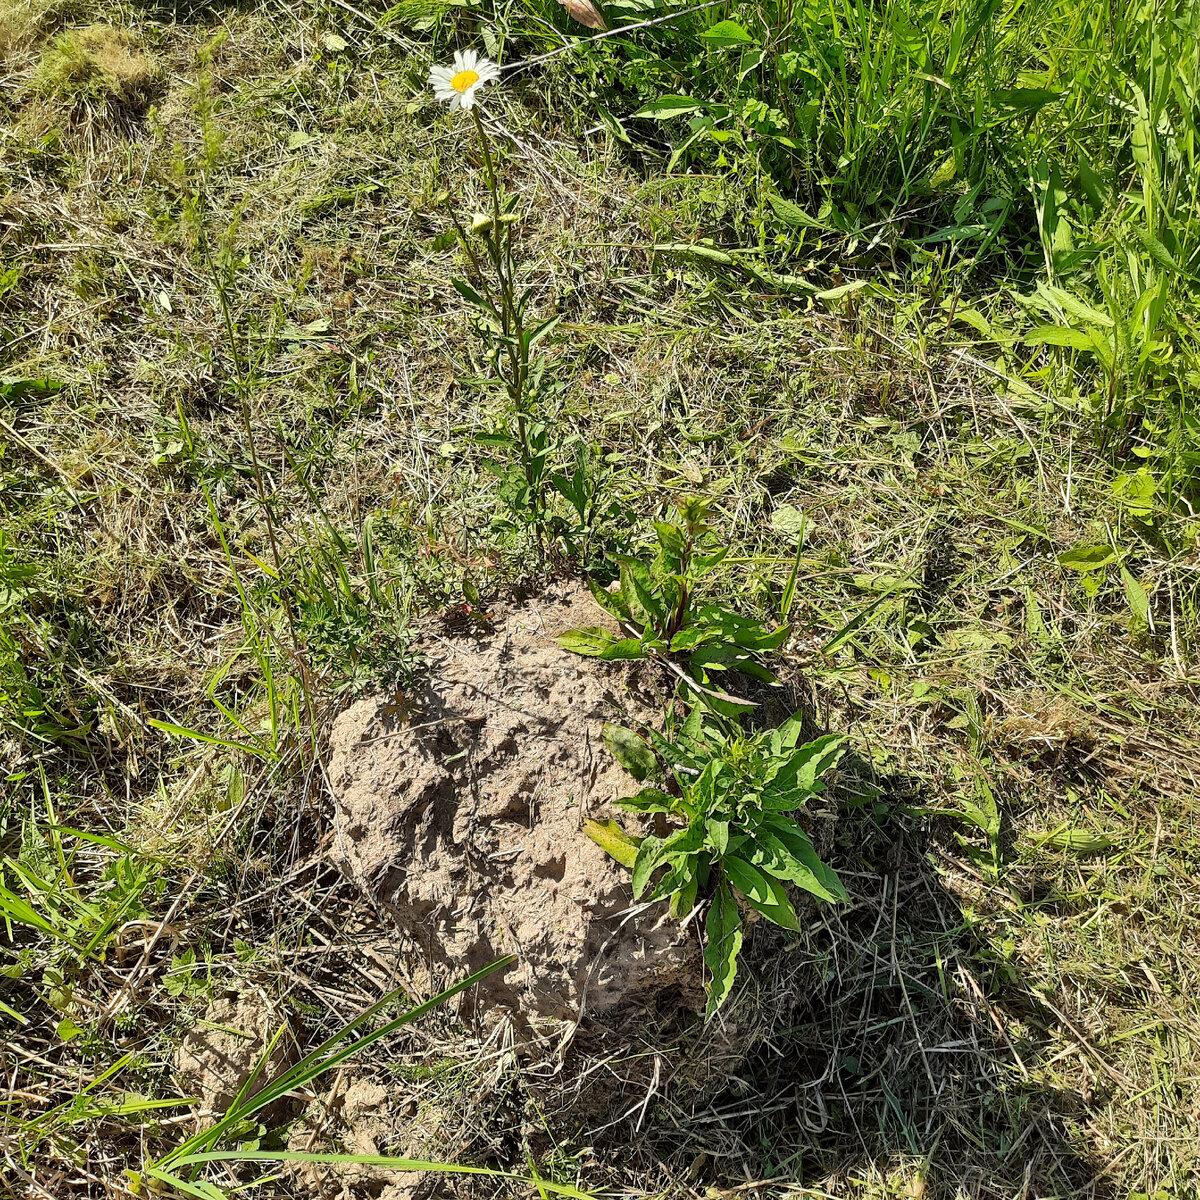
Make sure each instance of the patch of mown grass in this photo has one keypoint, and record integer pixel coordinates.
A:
(97, 64)
(992, 598)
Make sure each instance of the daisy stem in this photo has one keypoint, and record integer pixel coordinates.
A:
(515, 343)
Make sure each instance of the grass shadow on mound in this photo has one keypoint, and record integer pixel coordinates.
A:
(915, 1068)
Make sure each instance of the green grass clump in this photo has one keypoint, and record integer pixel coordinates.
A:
(99, 65)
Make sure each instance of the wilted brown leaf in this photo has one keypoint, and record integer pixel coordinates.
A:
(585, 12)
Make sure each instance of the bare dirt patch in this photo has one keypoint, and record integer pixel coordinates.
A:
(462, 814)
(459, 811)
(220, 1052)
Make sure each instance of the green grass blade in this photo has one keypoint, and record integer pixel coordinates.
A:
(378, 1160)
(327, 1056)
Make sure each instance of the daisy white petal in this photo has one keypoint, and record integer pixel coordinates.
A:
(457, 84)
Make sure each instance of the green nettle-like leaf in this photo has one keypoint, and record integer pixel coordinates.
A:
(723, 942)
(629, 750)
(648, 800)
(726, 33)
(613, 840)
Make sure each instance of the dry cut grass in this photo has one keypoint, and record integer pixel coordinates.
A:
(1009, 1006)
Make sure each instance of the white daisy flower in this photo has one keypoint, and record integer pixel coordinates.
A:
(458, 83)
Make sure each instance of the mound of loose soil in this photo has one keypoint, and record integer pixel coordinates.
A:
(461, 812)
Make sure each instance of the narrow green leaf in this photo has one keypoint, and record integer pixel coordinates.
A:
(324, 1058)
(723, 941)
(1059, 335)
(1085, 558)
(717, 833)
(1078, 841)
(649, 856)
(648, 800)
(824, 882)
(612, 602)
(807, 764)
(778, 908)
(748, 879)
(666, 107)
(626, 649)
(591, 642)
(211, 739)
(1139, 599)
(368, 1160)
(792, 214)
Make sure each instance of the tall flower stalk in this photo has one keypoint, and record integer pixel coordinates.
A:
(503, 307)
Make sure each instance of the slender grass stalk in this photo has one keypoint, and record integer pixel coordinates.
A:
(176, 1168)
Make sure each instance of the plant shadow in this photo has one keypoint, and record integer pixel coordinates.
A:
(914, 1063)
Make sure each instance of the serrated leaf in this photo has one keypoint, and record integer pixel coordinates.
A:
(613, 840)
(624, 649)
(685, 897)
(612, 602)
(637, 590)
(725, 34)
(629, 750)
(723, 942)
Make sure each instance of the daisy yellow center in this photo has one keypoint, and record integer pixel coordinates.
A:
(463, 80)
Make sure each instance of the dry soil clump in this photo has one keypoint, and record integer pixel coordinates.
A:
(220, 1051)
(461, 812)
